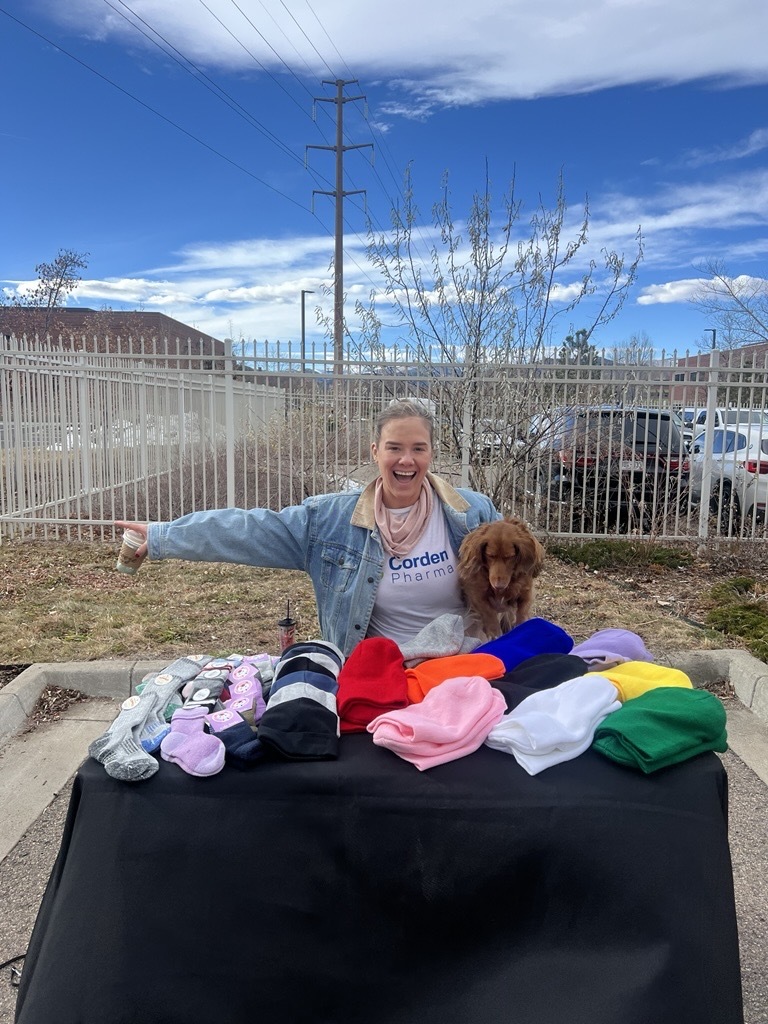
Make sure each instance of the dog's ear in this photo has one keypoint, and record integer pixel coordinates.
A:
(538, 557)
(470, 554)
(531, 553)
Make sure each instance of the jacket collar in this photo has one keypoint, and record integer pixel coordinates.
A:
(448, 495)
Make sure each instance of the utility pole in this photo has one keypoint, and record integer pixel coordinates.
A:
(338, 192)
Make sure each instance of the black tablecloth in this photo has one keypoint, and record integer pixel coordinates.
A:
(362, 890)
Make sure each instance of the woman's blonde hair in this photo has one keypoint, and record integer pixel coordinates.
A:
(401, 409)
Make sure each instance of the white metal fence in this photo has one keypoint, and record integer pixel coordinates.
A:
(88, 436)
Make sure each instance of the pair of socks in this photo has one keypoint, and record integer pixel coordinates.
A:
(246, 695)
(189, 746)
(126, 747)
(210, 685)
(240, 742)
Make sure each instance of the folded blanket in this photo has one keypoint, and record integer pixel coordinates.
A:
(439, 638)
(372, 681)
(435, 671)
(541, 672)
(534, 636)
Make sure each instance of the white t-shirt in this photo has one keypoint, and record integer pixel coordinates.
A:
(419, 586)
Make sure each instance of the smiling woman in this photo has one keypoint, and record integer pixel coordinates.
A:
(382, 561)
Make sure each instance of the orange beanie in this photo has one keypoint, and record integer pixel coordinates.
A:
(436, 670)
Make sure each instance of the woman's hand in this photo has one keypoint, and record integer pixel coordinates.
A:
(141, 528)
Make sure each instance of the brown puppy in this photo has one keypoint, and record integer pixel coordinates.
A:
(497, 565)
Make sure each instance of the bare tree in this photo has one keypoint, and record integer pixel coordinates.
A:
(490, 298)
(737, 307)
(481, 298)
(55, 281)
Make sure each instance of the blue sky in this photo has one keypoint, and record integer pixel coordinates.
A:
(657, 110)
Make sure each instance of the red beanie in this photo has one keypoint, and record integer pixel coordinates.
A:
(371, 681)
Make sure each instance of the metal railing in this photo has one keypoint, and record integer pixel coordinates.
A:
(93, 432)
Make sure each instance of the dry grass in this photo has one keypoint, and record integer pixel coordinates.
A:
(65, 602)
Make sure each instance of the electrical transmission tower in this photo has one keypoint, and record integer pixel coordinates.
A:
(338, 192)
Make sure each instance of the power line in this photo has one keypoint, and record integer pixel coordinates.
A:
(282, 31)
(325, 33)
(298, 26)
(152, 110)
(185, 64)
(190, 135)
(256, 60)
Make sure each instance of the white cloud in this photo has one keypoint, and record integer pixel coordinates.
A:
(755, 142)
(671, 291)
(495, 49)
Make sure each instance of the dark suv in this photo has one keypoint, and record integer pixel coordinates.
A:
(615, 467)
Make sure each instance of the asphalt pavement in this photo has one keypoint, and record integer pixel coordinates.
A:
(37, 768)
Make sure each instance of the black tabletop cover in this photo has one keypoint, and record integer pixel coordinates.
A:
(362, 890)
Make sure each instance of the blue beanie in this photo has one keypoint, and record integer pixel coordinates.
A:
(527, 639)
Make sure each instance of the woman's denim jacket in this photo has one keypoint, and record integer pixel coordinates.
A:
(332, 537)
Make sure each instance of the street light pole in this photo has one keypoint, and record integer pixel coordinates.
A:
(304, 291)
(713, 332)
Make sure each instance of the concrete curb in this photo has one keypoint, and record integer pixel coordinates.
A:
(115, 679)
(748, 676)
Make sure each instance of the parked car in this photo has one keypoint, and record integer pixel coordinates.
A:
(617, 467)
(739, 482)
(494, 439)
(722, 417)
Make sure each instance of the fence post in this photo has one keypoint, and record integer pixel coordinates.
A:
(229, 420)
(81, 428)
(709, 431)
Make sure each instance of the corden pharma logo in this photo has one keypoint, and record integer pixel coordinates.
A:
(424, 567)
